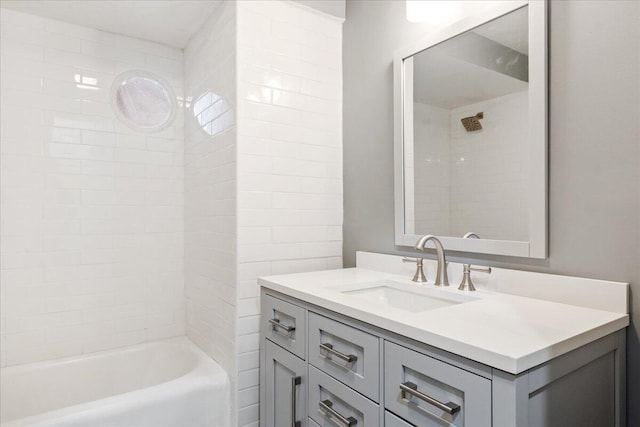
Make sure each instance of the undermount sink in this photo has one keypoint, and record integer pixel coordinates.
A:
(401, 296)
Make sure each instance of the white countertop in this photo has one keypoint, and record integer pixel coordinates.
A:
(508, 332)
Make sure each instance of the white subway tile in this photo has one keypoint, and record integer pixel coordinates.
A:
(248, 415)
(66, 135)
(248, 379)
(70, 59)
(164, 65)
(97, 108)
(249, 396)
(248, 326)
(23, 82)
(62, 42)
(21, 50)
(300, 234)
(13, 260)
(108, 50)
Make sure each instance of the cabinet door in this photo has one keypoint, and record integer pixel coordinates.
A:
(285, 390)
(430, 393)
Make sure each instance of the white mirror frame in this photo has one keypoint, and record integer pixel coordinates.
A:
(536, 246)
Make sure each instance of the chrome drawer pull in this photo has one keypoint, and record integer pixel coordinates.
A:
(349, 358)
(412, 389)
(327, 407)
(275, 323)
(295, 381)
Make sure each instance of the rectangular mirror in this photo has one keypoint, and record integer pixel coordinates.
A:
(471, 134)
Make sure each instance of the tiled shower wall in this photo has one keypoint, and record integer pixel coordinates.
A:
(488, 169)
(289, 160)
(431, 163)
(92, 212)
(103, 266)
(210, 172)
(478, 179)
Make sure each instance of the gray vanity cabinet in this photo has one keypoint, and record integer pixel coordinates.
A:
(321, 368)
(285, 398)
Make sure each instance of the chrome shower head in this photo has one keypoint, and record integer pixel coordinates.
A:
(473, 123)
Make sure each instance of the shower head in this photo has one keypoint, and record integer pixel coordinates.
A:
(472, 123)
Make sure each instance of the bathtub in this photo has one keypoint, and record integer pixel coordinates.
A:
(168, 383)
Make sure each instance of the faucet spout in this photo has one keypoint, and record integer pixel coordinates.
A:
(442, 279)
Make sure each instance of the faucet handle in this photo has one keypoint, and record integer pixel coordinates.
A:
(419, 277)
(467, 284)
(481, 269)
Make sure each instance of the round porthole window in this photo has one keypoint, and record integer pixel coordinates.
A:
(143, 101)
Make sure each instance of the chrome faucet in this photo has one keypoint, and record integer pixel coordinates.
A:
(442, 279)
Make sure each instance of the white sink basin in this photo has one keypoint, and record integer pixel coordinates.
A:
(412, 298)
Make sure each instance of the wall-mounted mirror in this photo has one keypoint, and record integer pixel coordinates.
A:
(470, 134)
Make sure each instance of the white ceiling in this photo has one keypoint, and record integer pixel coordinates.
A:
(451, 83)
(170, 22)
(443, 80)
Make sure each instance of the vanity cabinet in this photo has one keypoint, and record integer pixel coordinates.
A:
(322, 368)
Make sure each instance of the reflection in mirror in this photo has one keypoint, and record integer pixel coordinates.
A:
(213, 113)
(466, 133)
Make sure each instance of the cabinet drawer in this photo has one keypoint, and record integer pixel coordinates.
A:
(391, 420)
(332, 403)
(285, 324)
(430, 386)
(348, 354)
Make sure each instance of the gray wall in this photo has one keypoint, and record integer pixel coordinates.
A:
(594, 178)
(331, 7)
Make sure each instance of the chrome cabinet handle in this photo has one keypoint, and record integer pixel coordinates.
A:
(327, 407)
(275, 324)
(295, 381)
(412, 389)
(349, 358)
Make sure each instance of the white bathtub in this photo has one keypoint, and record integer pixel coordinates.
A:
(168, 383)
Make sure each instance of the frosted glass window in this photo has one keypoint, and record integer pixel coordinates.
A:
(143, 101)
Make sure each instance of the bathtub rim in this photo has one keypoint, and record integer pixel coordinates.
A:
(206, 372)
